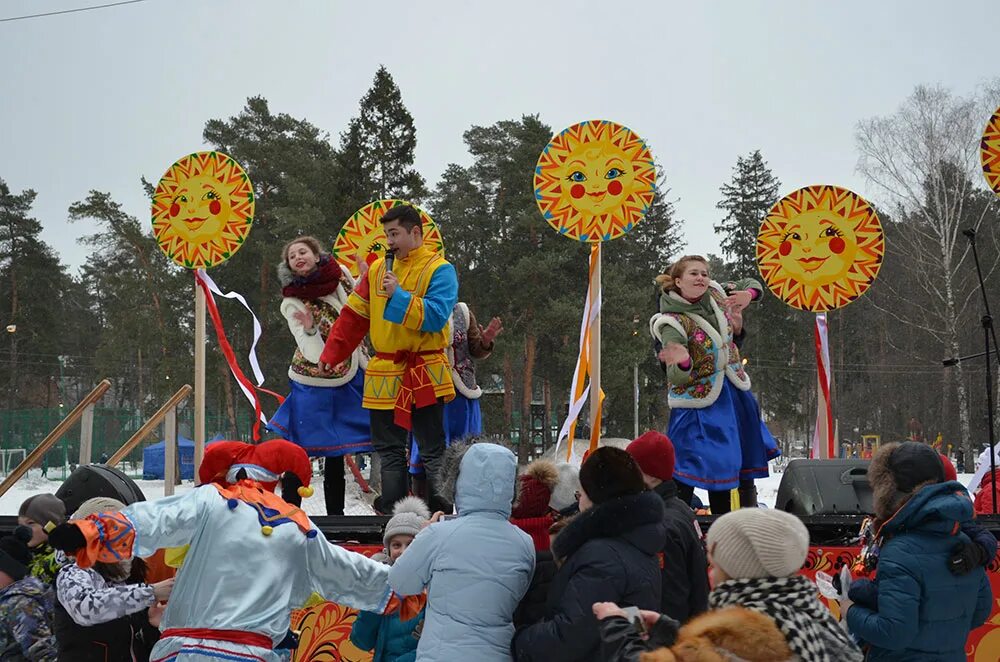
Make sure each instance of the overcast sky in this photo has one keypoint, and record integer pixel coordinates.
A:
(94, 100)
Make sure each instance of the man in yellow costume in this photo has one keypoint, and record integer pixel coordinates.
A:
(404, 306)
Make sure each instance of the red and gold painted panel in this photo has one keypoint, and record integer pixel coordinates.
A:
(202, 210)
(820, 248)
(989, 152)
(363, 235)
(595, 181)
(325, 629)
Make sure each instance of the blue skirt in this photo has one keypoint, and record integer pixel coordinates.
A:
(717, 446)
(325, 421)
(463, 418)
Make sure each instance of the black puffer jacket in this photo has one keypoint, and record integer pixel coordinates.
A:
(609, 555)
(684, 590)
(533, 604)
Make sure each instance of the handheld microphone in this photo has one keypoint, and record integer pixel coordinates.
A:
(390, 257)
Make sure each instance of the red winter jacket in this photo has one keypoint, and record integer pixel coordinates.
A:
(984, 497)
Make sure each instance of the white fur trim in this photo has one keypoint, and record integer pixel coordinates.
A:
(312, 346)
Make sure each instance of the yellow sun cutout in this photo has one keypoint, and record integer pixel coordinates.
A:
(820, 248)
(595, 181)
(202, 210)
(364, 235)
(989, 152)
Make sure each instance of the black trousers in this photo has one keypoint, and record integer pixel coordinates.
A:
(390, 442)
(719, 501)
(334, 485)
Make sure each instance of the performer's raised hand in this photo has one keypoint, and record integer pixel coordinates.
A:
(361, 263)
(736, 317)
(389, 283)
(674, 353)
(739, 300)
(305, 318)
(493, 329)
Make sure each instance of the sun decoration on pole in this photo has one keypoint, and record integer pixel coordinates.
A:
(820, 248)
(363, 233)
(203, 210)
(595, 181)
(989, 152)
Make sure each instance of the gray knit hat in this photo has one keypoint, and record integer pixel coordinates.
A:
(564, 493)
(409, 517)
(43, 509)
(98, 505)
(753, 543)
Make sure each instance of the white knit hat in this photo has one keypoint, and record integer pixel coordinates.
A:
(564, 493)
(98, 505)
(410, 514)
(753, 542)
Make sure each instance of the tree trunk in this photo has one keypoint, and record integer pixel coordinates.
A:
(526, 447)
(965, 432)
(508, 396)
(546, 417)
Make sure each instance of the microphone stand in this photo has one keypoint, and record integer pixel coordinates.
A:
(989, 333)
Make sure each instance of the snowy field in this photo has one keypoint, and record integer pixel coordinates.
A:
(356, 502)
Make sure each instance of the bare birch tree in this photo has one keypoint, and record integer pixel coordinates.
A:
(924, 158)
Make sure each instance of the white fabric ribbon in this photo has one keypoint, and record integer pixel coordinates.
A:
(257, 332)
(590, 314)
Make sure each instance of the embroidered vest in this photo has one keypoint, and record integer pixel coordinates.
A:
(463, 369)
(714, 355)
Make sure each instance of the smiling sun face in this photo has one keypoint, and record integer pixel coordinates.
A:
(202, 210)
(595, 181)
(820, 248)
(364, 235)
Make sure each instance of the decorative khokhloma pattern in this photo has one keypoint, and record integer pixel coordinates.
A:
(363, 234)
(203, 210)
(595, 181)
(820, 248)
(989, 152)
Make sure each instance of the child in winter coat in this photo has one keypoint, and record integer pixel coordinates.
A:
(477, 566)
(107, 613)
(917, 608)
(25, 605)
(531, 512)
(42, 513)
(762, 610)
(392, 638)
(684, 571)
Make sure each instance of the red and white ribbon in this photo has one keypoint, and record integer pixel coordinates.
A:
(823, 436)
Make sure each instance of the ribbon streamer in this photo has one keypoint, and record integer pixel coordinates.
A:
(227, 351)
(579, 390)
(823, 437)
(257, 331)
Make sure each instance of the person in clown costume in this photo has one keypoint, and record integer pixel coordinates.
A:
(251, 556)
(405, 310)
(463, 417)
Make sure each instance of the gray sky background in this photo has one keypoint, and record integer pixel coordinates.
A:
(94, 100)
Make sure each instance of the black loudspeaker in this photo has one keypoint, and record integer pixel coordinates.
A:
(97, 480)
(825, 487)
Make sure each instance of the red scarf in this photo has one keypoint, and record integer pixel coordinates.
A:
(324, 280)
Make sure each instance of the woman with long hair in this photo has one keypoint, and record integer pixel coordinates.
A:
(323, 412)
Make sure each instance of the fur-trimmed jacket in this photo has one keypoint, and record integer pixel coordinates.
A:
(723, 635)
(916, 608)
(609, 554)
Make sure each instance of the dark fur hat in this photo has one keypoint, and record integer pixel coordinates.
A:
(898, 471)
(609, 473)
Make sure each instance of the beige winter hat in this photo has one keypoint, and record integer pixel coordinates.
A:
(756, 542)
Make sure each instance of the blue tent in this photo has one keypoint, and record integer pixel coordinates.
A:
(152, 459)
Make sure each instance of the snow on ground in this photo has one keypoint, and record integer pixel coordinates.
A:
(356, 503)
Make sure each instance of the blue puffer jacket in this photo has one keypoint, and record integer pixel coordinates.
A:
(393, 640)
(476, 567)
(922, 611)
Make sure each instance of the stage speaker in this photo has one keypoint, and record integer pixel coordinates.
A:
(94, 480)
(825, 487)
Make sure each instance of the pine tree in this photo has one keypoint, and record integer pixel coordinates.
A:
(746, 200)
(377, 150)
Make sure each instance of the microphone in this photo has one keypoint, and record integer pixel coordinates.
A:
(390, 257)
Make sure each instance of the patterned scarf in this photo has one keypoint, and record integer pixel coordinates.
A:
(324, 280)
(808, 626)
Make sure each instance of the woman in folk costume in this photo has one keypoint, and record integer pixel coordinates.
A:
(720, 440)
(251, 556)
(323, 412)
(463, 417)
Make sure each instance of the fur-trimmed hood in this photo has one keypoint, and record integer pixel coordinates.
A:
(478, 476)
(898, 471)
(724, 635)
(637, 518)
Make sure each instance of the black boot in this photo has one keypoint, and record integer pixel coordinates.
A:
(394, 487)
(334, 485)
(748, 494)
(290, 485)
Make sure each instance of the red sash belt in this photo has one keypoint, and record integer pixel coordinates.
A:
(416, 391)
(229, 636)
